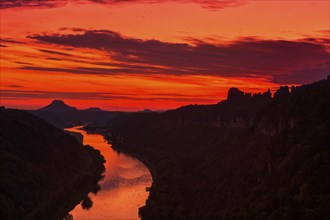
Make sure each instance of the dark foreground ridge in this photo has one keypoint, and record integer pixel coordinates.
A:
(44, 172)
(248, 157)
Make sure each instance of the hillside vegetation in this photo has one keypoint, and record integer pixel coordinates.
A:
(248, 157)
(44, 172)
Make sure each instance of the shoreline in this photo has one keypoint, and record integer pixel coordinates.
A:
(143, 159)
(110, 139)
(136, 155)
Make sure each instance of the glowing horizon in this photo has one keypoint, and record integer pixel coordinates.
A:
(157, 55)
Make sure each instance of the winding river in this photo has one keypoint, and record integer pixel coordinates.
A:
(123, 190)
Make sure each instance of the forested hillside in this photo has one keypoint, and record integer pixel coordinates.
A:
(44, 172)
(248, 157)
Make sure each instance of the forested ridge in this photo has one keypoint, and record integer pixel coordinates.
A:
(44, 172)
(258, 156)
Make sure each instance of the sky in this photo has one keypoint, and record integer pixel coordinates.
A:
(158, 54)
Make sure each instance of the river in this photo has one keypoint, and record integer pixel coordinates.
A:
(123, 189)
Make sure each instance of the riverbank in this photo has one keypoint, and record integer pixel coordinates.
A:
(123, 188)
(161, 199)
(44, 171)
(251, 157)
(150, 167)
(70, 190)
(112, 140)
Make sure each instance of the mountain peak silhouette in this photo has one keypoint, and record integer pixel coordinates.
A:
(235, 94)
(58, 105)
(58, 102)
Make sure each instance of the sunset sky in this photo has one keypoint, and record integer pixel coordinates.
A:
(157, 54)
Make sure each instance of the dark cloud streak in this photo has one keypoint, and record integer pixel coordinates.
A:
(36, 94)
(284, 61)
(209, 4)
(4, 4)
(54, 52)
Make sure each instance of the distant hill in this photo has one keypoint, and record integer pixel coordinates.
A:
(44, 172)
(58, 105)
(62, 115)
(252, 156)
(94, 109)
(146, 110)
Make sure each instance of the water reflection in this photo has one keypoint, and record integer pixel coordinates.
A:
(123, 189)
